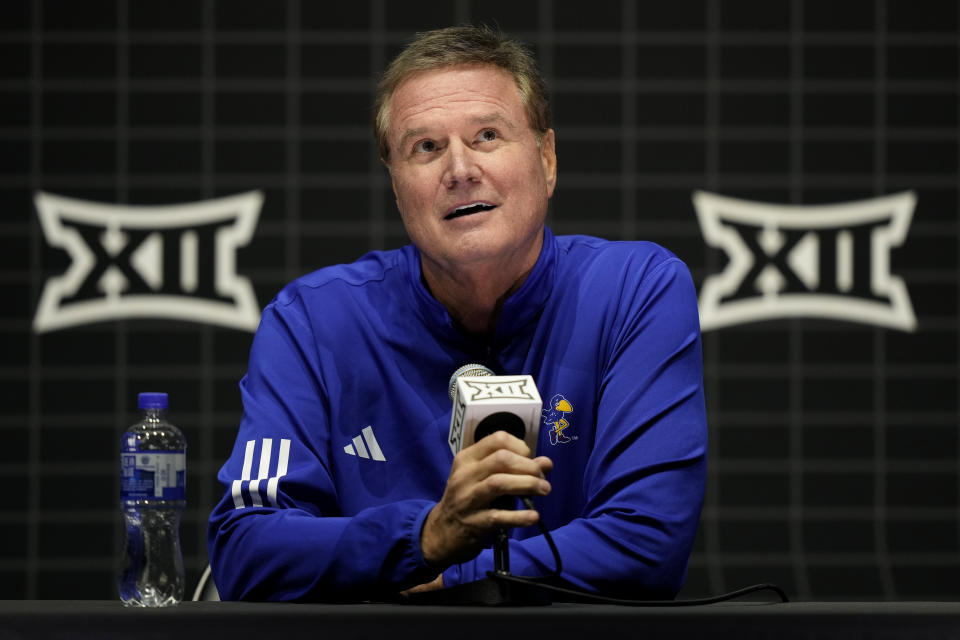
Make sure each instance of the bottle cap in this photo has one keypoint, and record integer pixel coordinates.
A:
(152, 400)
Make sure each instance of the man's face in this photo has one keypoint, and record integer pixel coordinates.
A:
(470, 180)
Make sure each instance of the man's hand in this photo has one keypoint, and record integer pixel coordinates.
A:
(433, 585)
(499, 464)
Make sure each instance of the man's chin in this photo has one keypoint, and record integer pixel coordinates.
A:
(483, 247)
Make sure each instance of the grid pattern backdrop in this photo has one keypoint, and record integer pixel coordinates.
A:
(834, 446)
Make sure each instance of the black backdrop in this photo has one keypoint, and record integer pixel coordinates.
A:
(834, 447)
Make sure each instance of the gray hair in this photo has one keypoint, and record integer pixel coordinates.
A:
(464, 45)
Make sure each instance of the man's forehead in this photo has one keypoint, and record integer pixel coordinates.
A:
(485, 93)
(491, 117)
(453, 71)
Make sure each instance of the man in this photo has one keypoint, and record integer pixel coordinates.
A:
(342, 485)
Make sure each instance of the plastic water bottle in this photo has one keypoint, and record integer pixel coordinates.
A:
(152, 497)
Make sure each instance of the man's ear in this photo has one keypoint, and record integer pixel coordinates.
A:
(393, 185)
(548, 158)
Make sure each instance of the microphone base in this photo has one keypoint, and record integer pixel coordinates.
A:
(488, 592)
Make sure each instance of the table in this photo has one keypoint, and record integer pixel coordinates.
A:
(79, 619)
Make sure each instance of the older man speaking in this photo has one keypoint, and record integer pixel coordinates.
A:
(342, 484)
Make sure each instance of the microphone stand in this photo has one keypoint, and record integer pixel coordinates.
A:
(489, 591)
(501, 553)
(506, 592)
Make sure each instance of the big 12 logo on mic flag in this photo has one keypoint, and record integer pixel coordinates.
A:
(169, 261)
(827, 261)
(475, 398)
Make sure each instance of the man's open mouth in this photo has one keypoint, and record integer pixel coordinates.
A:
(469, 209)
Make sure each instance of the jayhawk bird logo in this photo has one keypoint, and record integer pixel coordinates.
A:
(553, 418)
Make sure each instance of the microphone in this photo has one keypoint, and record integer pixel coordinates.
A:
(484, 403)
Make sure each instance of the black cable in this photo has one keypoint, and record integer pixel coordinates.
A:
(558, 564)
(592, 597)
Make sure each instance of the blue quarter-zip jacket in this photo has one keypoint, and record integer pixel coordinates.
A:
(342, 449)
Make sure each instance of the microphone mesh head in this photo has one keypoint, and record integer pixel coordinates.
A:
(466, 370)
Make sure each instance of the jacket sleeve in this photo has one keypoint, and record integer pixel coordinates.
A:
(645, 478)
(278, 533)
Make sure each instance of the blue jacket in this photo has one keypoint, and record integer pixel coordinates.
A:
(342, 450)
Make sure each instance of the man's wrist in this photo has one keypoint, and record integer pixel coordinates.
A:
(429, 544)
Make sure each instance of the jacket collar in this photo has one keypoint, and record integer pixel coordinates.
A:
(519, 310)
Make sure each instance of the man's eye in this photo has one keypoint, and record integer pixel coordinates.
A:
(425, 146)
(488, 135)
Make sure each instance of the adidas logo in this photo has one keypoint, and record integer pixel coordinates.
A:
(370, 450)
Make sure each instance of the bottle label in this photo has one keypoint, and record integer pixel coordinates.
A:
(153, 474)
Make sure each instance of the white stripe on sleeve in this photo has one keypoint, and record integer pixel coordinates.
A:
(281, 471)
(237, 488)
(265, 450)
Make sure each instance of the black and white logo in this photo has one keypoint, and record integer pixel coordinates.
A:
(827, 261)
(174, 261)
(499, 390)
(371, 450)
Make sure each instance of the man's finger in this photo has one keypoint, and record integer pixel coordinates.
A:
(496, 440)
(545, 463)
(507, 484)
(491, 519)
(504, 461)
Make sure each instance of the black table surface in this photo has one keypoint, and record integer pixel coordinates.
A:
(189, 620)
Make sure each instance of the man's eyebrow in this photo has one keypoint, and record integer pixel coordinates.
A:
(410, 133)
(489, 118)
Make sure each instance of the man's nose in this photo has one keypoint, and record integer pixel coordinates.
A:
(461, 165)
